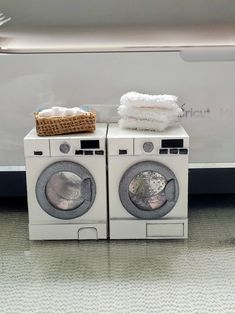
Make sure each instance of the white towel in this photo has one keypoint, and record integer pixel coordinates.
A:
(60, 112)
(148, 112)
(155, 114)
(130, 123)
(134, 99)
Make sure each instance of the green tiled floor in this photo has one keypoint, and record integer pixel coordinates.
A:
(192, 276)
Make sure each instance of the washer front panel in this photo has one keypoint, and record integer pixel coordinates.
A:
(65, 190)
(148, 190)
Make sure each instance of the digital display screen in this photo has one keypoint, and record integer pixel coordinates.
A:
(173, 143)
(86, 144)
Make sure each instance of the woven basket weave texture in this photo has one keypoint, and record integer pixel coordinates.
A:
(47, 126)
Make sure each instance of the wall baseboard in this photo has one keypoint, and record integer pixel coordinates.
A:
(13, 184)
(201, 181)
(212, 181)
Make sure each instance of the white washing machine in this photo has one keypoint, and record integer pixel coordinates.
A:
(66, 185)
(148, 183)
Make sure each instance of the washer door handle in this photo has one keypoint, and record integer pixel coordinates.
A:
(170, 190)
(86, 189)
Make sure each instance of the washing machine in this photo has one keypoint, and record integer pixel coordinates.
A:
(148, 183)
(66, 185)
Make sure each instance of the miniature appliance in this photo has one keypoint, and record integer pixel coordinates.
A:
(66, 185)
(148, 183)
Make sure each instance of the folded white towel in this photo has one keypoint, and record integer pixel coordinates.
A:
(130, 123)
(155, 114)
(134, 99)
(61, 112)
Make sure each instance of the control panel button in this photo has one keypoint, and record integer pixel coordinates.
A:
(174, 151)
(64, 148)
(122, 151)
(183, 151)
(163, 151)
(78, 152)
(99, 152)
(148, 147)
(38, 153)
(88, 152)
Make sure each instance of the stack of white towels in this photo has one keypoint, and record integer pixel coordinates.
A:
(148, 112)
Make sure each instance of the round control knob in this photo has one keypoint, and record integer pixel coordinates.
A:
(148, 147)
(64, 148)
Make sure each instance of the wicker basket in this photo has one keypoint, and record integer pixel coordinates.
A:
(46, 126)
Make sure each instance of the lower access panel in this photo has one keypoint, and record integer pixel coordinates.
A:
(68, 231)
(155, 229)
(165, 230)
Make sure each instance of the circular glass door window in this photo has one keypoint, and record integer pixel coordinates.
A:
(65, 190)
(146, 190)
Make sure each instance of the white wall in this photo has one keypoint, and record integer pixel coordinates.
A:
(117, 12)
(207, 88)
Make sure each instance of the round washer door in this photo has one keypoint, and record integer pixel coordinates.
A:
(148, 190)
(65, 190)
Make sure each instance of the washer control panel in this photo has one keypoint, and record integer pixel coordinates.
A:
(160, 146)
(77, 147)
